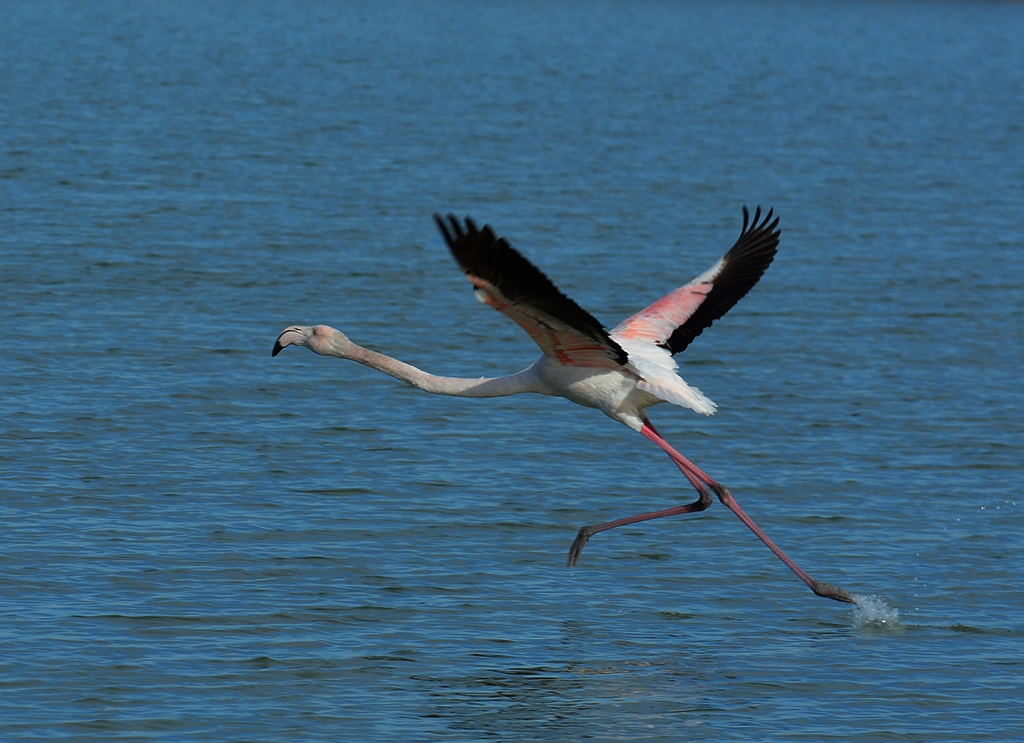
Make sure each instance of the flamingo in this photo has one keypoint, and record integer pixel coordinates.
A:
(621, 372)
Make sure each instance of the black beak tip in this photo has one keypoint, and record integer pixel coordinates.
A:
(277, 349)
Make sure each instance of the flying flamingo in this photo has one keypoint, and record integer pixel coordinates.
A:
(621, 372)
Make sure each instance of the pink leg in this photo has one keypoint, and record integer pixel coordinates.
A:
(585, 533)
(701, 481)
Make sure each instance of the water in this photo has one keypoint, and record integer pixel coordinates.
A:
(200, 542)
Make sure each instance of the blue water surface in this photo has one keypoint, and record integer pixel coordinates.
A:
(203, 543)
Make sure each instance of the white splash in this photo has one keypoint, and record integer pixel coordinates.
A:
(871, 611)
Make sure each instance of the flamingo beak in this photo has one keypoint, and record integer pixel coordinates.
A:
(294, 335)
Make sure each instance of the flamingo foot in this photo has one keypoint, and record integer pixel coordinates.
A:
(831, 592)
(582, 537)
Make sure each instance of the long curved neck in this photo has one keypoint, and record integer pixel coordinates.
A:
(525, 381)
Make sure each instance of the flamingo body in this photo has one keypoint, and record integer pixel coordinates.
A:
(621, 372)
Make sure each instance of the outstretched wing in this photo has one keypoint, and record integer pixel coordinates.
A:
(680, 316)
(505, 280)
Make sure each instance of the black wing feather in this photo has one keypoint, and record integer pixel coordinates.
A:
(743, 267)
(481, 253)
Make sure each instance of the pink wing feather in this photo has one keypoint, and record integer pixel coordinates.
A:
(556, 339)
(656, 323)
(680, 316)
(506, 281)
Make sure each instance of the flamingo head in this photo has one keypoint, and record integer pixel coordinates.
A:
(321, 339)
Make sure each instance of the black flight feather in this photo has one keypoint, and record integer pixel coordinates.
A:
(481, 253)
(744, 265)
